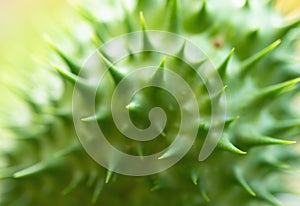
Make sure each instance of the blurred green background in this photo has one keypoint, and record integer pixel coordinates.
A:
(22, 25)
(23, 21)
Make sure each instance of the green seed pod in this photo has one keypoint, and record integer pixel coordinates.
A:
(218, 66)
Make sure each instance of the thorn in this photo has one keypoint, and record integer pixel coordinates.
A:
(263, 140)
(198, 64)
(211, 99)
(130, 52)
(218, 95)
(34, 169)
(246, 64)
(156, 186)
(66, 75)
(29, 171)
(268, 197)
(96, 40)
(223, 67)
(284, 125)
(64, 113)
(108, 176)
(97, 191)
(174, 21)
(84, 13)
(74, 79)
(159, 77)
(273, 91)
(203, 126)
(204, 192)
(68, 150)
(167, 154)
(203, 8)
(143, 22)
(23, 94)
(194, 178)
(117, 76)
(247, 4)
(174, 150)
(225, 144)
(215, 97)
(201, 20)
(73, 184)
(98, 37)
(252, 34)
(99, 27)
(279, 165)
(133, 106)
(288, 27)
(162, 63)
(281, 87)
(139, 150)
(72, 66)
(92, 178)
(128, 20)
(230, 120)
(91, 118)
(180, 53)
(242, 181)
(102, 114)
(139, 106)
(147, 46)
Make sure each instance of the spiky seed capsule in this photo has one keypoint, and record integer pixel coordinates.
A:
(49, 166)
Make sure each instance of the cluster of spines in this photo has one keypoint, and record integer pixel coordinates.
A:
(225, 144)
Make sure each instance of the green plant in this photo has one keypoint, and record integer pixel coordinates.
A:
(47, 165)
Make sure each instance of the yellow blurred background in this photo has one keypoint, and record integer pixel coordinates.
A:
(22, 25)
(21, 21)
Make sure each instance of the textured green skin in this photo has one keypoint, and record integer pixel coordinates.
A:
(220, 28)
